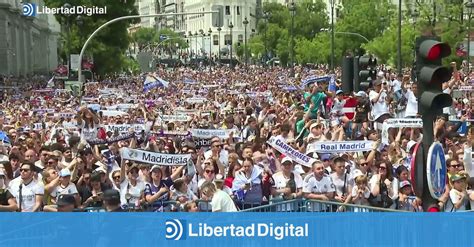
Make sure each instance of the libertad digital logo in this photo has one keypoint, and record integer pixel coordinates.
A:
(31, 9)
(178, 229)
(175, 229)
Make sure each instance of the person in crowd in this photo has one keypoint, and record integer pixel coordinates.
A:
(112, 201)
(220, 201)
(7, 200)
(27, 191)
(318, 186)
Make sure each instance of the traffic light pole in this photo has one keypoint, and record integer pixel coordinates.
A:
(79, 72)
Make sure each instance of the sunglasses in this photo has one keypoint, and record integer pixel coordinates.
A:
(25, 170)
(364, 164)
(116, 177)
(209, 171)
(456, 166)
(51, 162)
(217, 146)
(382, 167)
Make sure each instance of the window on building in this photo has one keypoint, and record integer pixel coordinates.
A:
(216, 39)
(227, 10)
(238, 10)
(241, 38)
(227, 40)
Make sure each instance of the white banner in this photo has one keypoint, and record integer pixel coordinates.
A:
(113, 113)
(121, 107)
(399, 123)
(75, 63)
(340, 147)
(209, 133)
(123, 128)
(287, 150)
(155, 158)
(175, 118)
(196, 100)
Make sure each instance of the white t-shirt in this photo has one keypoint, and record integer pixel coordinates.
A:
(280, 182)
(396, 85)
(339, 183)
(28, 193)
(412, 104)
(222, 202)
(134, 191)
(380, 107)
(70, 189)
(313, 185)
(88, 133)
(365, 195)
(223, 156)
(454, 196)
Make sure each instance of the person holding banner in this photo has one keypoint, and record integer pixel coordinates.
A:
(131, 189)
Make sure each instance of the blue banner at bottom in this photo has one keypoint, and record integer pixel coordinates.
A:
(236, 229)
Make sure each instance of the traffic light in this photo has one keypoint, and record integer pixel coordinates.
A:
(367, 72)
(431, 75)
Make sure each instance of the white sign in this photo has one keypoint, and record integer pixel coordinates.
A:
(175, 118)
(287, 150)
(399, 123)
(75, 63)
(155, 158)
(196, 100)
(340, 147)
(123, 128)
(209, 133)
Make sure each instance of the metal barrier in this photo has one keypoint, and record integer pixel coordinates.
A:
(301, 205)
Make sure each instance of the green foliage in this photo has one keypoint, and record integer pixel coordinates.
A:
(109, 44)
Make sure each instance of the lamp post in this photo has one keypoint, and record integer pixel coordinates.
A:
(246, 22)
(210, 44)
(219, 42)
(332, 34)
(68, 31)
(202, 41)
(231, 43)
(292, 52)
(190, 43)
(195, 44)
(399, 41)
(469, 6)
(266, 17)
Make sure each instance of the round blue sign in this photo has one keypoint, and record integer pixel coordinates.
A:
(436, 170)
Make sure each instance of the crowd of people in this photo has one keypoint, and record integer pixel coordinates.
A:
(225, 139)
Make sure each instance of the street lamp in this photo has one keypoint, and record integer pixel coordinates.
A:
(469, 7)
(231, 43)
(292, 52)
(202, 41)
(68, 31)
(246, 22)
(332, 34)
(210, 44)
(266, 17)
(190, 36)
(219, 42)
(196, 44)
(399, 46)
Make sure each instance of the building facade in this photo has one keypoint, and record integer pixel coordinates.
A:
(28, 45)
(235, 12)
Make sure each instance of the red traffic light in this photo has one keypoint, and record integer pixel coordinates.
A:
(434, 50)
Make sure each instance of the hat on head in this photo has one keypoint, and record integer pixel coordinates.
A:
(357, 173)
(339, 92)
(101, 169)
(457, 177)
(324, 157)
(286, 159)
(404, 184)
(65, 172)
(361, 94)
(65, 200)
(314, 125)
(298, 169)
(155, 167)
(219, 178)
(111, 194)
(377, 82)
(410, 145)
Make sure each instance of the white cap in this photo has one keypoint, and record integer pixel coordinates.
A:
(65, 172)
(361, 94)
(410, 145)
(286, 159)
(357, 173)
(380, 74)
(298, 169)
(155, 167)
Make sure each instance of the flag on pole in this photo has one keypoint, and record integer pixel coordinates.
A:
(152, 81)
(50, 83)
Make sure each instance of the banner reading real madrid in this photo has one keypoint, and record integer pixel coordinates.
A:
(340, 147)
(155, 158)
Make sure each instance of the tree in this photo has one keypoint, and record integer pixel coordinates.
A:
(109, 45)
(144, 36)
